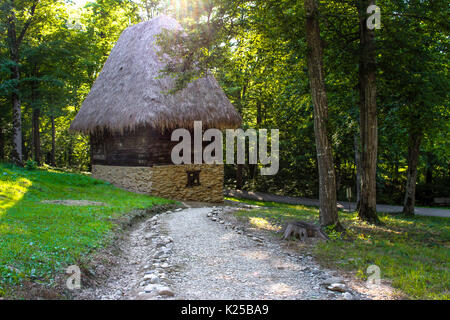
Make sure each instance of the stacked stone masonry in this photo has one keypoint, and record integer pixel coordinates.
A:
(167, 181)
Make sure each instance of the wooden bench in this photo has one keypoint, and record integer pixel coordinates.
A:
(442, 201)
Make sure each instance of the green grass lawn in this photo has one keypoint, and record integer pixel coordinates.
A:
(39, 240)
(412, 252)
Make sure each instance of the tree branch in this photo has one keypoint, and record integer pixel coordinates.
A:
(27, 23)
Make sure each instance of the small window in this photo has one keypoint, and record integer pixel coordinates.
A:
(193, 178)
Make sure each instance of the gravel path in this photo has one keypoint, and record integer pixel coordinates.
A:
(203, 253)
(216, 261)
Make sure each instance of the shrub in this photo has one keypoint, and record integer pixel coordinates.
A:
(31, 165)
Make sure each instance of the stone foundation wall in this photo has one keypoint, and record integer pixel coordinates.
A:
(170, 182)
(167, 181)
(135, 179)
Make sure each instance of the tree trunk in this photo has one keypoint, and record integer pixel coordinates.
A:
(16, 153)
(415, 140)
(429, 173)
(35, 119)
(53, 162)
(395, 173)
(258, 114)
(2, 144)
(70, 153)
(327, 181)
(239, 182)
(358, 170)
(368, 118)
(36, 135)
(429, 176)
(338, 172)
(147, 10)
(15, 39)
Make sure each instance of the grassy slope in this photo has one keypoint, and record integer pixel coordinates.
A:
(38, 240)
(411, 252)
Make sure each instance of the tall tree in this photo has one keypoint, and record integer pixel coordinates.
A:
(15, 35)
(368, 117)
(206, 37)
(327, 179)
(150, 8)
(413, 61)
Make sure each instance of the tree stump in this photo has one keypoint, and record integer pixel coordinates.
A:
(303, 230)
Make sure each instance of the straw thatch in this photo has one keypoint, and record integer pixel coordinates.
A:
(130, 92)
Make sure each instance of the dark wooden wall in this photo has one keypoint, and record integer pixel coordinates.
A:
(142, 147)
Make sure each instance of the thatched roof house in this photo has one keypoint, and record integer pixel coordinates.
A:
(130, 115)
(128, 92)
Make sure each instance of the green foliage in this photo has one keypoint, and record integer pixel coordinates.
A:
(38, 240)
(257, 52)
(31, 165)
(62, 53)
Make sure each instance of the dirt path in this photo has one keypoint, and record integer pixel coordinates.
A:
(196, 253)
(260, 196)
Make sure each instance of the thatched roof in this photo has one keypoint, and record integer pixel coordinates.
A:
(129, 91)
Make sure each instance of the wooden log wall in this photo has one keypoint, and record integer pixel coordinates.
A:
(142, 147)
